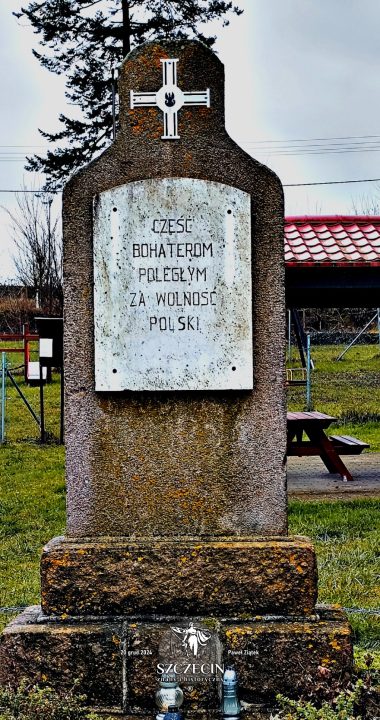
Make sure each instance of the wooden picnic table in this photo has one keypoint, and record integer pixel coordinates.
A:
(314, 424)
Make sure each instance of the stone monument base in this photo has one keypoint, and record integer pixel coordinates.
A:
(230, 577)
(119, 615)
(117, 663)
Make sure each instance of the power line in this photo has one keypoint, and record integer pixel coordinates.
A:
(342, 137)
(314, 146)
(293, 145)
(22, 191)
(312, 150)
(263, 142)
(268, 152)
(307, 141)
(268, 148)
(331, 151)
(330, 182)
(307, 184)
(258, 142)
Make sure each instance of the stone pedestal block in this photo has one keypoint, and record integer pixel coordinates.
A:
(118, 665)
(286, 656)
(230, 578)
(61, 654)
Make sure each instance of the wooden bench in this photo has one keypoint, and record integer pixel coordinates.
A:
(347, 445)
(314, 424)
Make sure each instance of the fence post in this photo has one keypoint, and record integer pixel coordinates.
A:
(308, 374)
(289, 337)
(3, 394)
(61, 424)
(42, 409)
(25, 332)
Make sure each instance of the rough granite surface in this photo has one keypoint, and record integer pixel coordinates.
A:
(289, 657)
(183, 463)
(86, 658)
(235, 578)
(117, 664)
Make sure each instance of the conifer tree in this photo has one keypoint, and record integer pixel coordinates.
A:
(85, 40)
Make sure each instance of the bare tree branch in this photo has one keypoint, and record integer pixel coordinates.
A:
(38, 259)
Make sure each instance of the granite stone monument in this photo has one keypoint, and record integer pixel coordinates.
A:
(176, 562)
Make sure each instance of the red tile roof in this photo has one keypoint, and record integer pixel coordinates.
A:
(338, 240)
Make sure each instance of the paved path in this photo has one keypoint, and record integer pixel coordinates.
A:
(308, 477)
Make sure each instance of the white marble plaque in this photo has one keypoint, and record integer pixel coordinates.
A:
(173, 295)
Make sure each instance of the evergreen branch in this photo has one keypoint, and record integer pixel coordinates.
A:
(84, 39)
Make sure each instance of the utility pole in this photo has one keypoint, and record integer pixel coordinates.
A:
(126, 27)
(49, 204)
(47, 200)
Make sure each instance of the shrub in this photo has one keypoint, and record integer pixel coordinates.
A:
(37, 703)
(357, 701)
(15, 312)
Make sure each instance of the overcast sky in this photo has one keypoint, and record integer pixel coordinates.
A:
(302, 95)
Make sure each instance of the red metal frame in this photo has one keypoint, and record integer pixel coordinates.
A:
(26, 337)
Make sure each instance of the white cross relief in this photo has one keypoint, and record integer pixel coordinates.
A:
(169, 99)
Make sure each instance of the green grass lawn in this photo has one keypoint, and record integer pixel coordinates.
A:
(346, 534)
(347, 540)
(32, 511)
(19, 423)
(32, 489)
